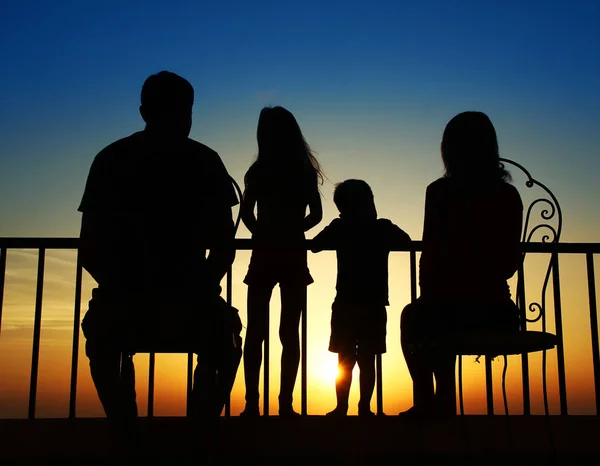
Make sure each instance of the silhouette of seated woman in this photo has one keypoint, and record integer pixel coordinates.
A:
(154, 202)
(281, 184)
(471, 234)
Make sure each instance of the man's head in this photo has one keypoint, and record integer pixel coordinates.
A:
(355, 201)
(167, 101)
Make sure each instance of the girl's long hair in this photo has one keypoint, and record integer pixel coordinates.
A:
(470, 149)
(282, 150)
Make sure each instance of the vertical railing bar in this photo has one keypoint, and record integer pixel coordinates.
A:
(461, 401)
(304, 387)
(522, 306)
(266, 365)
(379, 378)
(190, 376)
(37, 327)
(413, 283)
(413, 276)
(76, 332)
(562, 382)
(151, 370)
(229, 301)
(489, 388)
(3, 253)
(594, 327)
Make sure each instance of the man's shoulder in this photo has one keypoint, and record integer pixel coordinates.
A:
(197, 149)
(117, 150)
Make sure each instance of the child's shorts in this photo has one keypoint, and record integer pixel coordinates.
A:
(357, 328)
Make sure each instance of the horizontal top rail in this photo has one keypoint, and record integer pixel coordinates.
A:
(246, 244)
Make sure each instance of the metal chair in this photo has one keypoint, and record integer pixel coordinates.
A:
(492, 344)
(176, 339)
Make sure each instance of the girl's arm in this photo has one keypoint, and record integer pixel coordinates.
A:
(315, 210)
(247, 209)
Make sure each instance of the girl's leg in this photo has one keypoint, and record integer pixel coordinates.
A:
(259, 297)
(346, 361)
(417, 361)
(366, 364)
(293, 299)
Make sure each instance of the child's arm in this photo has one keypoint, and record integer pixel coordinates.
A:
(396, 237)
(327, 239)
(315, 210)
(247, 209)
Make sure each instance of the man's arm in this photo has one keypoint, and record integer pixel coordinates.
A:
(221, 249)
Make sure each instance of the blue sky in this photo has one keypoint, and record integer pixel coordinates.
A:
(372, 85)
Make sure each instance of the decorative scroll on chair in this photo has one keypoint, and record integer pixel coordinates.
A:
(546, 229)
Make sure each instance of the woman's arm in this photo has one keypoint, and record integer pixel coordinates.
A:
(315, 210)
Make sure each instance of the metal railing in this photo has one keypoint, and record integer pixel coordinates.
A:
(554, 249)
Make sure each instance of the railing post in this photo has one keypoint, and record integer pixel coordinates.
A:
(489, 389)
(266, 365)
(2, 275)
(560, 355)
(304, 407)
(190, 377)
(229, 301)
(594, 327)
(151, 370)
(522, 306)
(76, 332)
(37, 327)
(379, 378)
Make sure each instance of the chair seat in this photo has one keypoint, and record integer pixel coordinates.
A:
(502, 343)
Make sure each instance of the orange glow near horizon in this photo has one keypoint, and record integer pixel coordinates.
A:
(170, 386)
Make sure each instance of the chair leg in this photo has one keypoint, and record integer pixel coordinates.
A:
(504, 384)
(489, 390)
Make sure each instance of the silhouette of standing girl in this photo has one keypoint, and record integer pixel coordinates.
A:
(281, 183)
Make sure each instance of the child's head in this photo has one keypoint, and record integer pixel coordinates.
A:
(354, 200)
(282, 144)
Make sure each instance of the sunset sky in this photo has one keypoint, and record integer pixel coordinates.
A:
(372, 85)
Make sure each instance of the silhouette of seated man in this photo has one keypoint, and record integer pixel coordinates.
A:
(358, 319)
(154, 202)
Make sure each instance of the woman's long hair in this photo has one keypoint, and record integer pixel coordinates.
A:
(470, 149)
(282, 150)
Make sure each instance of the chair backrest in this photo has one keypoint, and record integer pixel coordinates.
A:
(542, 223)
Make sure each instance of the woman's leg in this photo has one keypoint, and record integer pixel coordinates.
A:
(445, 383)
(411, 333)
(293, 302)
(259, 297)
(366, 364)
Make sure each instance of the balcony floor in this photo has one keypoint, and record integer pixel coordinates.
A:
(480, 440)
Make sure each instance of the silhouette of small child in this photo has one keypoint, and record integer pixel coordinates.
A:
(359, 317)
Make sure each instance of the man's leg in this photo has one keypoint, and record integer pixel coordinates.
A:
(292, 305)
(114, 380)
(366, 364)
(259, 297)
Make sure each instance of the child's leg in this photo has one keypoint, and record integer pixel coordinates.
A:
(259, 297)
(366, 364)
(346, 361)
(293, 301)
